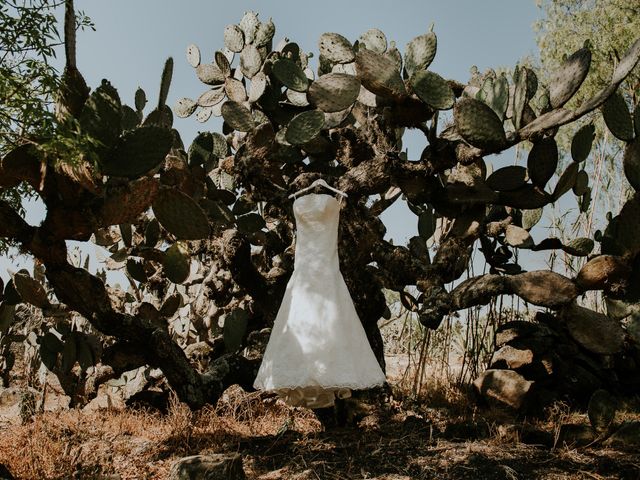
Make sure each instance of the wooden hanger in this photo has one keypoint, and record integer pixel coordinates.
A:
(319, 182)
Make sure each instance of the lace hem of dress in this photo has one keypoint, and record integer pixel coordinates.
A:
(317, 396)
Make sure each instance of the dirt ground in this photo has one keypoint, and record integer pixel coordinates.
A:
(400, 439)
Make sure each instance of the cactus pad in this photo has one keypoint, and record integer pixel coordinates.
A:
(193, 55)
(101, 116)
(140, 99)
(542, 161)
(264, 33)
(304, 127)
(211, 97)
(250, 61)
(180, 215)
(568, 78)
(184, 107)
(235, 90)
(135, 268)
(237, 116)
(175, 263)
(530, 218)
(518, 237)
(631, 163)
(432, 89)
(580, 247)
(379, 74)
(507, 178)
(290, 74)
(234, 329)
(210, 74)
(335, 48)
(30, 290)
(334, 92)
(138, 151)
(233, 38)
(617, 117)
(257, 87)
(249, 25)
(201, 149)
(420, 52)
(374, 40)
(250, 223)
(581, 143)
(566, 181)
(601, 410)
(222, 62)
(582, 183)
(495, 93)
(479, 125)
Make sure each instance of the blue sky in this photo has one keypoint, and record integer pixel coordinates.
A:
(133, 39)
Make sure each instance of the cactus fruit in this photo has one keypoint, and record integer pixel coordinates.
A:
(175, 263)
(234, 329)
(566, 181)
(233, 38)
(304, 127)
(617, 117)
(237, 116)
(180, 215)
(542, 161)
(479, 125)
(290, 74)
(250, 61)
(379, 74)
(138, 151)
(631, 163)
(335, 48)
(185, 107)
(432, 89)
(507, 178)
(568, 78)
(581, 143)
(420, 52)
(193, 55)
(334, 92)
(374, 40)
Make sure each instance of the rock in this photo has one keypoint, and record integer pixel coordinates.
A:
(601, 410)
(594, 331)
(575, 435)
(504, 386)
(208, 467)
(511, 357)
(626, 437)
(5, 474)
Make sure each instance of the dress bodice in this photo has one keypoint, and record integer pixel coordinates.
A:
(317, 216)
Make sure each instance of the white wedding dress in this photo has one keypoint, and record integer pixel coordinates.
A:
(318, 348)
